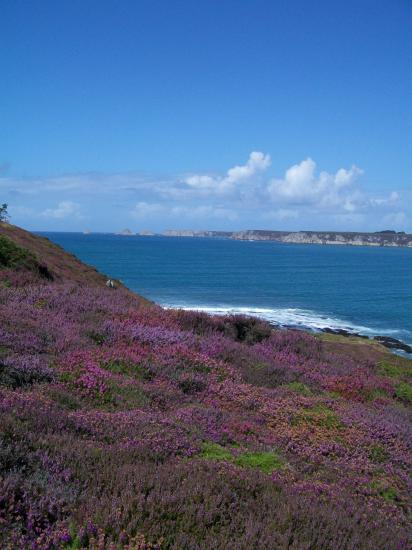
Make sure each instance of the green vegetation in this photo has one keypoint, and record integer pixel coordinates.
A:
(265, 461)
(214, 451)
(97, 337)
(388, 369)
(111, 419)
(137, 371)
(387, 492)
(122, 397)
(404, 391)
(3, 213)
(319, 415)
(378, 455)
(300, 388)
(12, 255)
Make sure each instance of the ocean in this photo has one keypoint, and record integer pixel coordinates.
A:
(361, 289)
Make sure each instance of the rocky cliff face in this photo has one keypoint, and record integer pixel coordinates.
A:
(382, 238)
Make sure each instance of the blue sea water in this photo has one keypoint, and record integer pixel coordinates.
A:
(364, 289)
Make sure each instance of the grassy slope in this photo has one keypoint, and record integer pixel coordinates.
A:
(64, 266)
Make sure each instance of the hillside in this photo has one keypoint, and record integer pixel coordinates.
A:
(61, 265)
(127, 426)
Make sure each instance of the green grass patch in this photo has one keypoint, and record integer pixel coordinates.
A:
(376, 394)
(404, 391)
(201, 368)
(118, 397)
(388, 369)
(65, 399)
(319, 415)
(400, 369)
(118, 366)
(265, 461)
(214, 451)
(378, 455)
(300, 388)
(387, 492)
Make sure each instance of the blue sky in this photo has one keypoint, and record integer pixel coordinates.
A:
(210, 114)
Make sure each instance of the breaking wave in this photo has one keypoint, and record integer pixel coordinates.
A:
(295, 318)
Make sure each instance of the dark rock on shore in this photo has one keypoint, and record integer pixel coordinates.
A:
(393, 343)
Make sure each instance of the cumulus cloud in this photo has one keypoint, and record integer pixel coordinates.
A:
(63, 210)
(301, 185)
(252, 194)
(257, 162)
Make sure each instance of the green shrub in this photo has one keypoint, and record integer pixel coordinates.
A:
(12, 255)
(97, 337)
(191, 385)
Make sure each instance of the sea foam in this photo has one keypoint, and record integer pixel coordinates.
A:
(290, 317)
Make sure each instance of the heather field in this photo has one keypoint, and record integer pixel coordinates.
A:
(127, 426)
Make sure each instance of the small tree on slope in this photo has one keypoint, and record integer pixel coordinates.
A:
(3, 213)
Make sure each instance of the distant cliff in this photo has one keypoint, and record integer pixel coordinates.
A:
(380, 238)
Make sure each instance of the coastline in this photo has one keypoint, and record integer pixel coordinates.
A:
(334, 327)
(387, 238)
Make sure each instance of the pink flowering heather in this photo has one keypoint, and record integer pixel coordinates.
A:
(124, 425)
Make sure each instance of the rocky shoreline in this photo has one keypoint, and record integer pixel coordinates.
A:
(388, 342)
(348, 238)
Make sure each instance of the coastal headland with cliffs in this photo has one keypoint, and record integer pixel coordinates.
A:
(351, 238)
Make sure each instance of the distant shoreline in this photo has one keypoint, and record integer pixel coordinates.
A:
(387, 238)
(391, 239)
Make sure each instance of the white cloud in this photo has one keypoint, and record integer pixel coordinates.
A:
(257, 162)
(244, 195)
(301, 185)
(63, 210)
(393, 198)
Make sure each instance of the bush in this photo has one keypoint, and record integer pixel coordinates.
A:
(23, 371)
(192, 385)
(16, 257)
(249, 330)
(12, 255)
